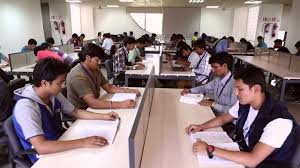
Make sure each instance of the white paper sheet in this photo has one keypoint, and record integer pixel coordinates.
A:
(123, 96)
(211, 137)
(191, 98)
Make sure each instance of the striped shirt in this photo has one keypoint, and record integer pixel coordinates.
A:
(202, 68)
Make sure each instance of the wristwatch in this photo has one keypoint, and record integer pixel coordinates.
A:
(210, 149)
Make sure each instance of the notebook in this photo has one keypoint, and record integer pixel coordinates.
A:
(123, 96)
(191, 98)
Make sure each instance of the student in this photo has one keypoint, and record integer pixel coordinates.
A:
(107, 43)
(279, 47)
(134, 55)
(297, 45)
(131, 34)
(249, 45)
(153, 38)
(192, 57)
(265, 130)
(36, 115)
(66, 58)
(223, 45)
(99, 37)
(221, 87)
(194, 38)
(74, 40)
(120, 60)
(30, 47)
(81, 39)
(85, 79)
(44, 51)
(261, 43)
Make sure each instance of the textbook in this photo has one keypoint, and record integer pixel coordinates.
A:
(191, 98)
(218, 139)
(102, 128)
(123, 96)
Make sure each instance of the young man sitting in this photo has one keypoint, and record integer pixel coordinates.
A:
(30, 45)
(36, 115)
(221, 87)
(85, 79)
(265, 130)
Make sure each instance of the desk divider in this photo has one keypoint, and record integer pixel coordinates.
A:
(21, 59)
(139, 130)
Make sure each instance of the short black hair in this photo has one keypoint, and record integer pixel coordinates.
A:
(31, 42)
(129, 40)
(200, 44)
(260, 37)
(91, 50)
(131, 32)
(36, 50)
(50, 40)
(44, 46)
(48, 69)
(99, 33)
(252, 76)
(297, 45)
(186, 47)
(83, 35)
(141, 40)
(278, 41)
(195, 33)
(153, 35)
(222, 58)
(179, 36)
(74, 35)
(243, 40)
(231, 38)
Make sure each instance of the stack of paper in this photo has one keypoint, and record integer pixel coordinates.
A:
(218, 139)
(105, 129)
(123, 96)
(191, 98)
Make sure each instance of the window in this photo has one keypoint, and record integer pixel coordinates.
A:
(75, 18)
(151, 22)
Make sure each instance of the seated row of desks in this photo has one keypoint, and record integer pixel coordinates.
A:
(287, 75)
(166, 144)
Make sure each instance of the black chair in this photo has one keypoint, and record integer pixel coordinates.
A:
(18, 156)
(74, 63)
(295, 162)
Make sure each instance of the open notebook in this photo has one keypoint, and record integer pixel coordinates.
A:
(218, 139)
(123, 96)
(105, 129)
(191, 98)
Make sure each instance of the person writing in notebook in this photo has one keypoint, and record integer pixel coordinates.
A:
(36, 115)
(265, 131)
(221, 87)
(85, 79)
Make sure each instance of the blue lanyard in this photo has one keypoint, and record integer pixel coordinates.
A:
(224, 86)
(89, 74)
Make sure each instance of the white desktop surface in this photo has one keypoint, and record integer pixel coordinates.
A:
(167, 145)
(73, 55)
(146, 71)
(276, 69)
(112, 156)
(28, 69)
(166, 70)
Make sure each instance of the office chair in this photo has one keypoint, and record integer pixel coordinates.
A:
(295, 161)
(18, 156)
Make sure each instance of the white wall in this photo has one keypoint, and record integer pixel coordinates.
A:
(20, 21)
(181, 20)
(285, 17)
(216, 22)
(115, 21)
(87, 22)
(240, 23)
(293, 34)
(269, 10)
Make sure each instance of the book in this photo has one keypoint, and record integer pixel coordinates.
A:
(123, 96)
(191, 98)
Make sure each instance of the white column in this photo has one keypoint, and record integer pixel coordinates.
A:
(293, 34)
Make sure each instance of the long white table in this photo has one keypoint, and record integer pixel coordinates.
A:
(167, 145)
(138, 74)
(287, 76)
(112, 156)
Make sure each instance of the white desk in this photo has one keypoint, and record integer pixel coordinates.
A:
(168, 73)
(287, 75)
(138, 74)
(242, 53)
(112, 156)
(167, 145)
(74, 55)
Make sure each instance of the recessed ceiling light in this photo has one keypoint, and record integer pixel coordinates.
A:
(112, 6)
(212, 7)
(253, 2)
(196, 1)
(126, 0)
(73, 1)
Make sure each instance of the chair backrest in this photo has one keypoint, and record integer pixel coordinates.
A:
(74, 63)
(6, 101)
(13, 140)
(5, 77)
(296, 157)
(109, 68)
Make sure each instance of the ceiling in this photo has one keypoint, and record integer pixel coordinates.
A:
(178, 3)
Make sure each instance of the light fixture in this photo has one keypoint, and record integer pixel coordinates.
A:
(112, 6)
(126, 0)
(73, 1)
(212, 7)
(253, 2)
(196, 1)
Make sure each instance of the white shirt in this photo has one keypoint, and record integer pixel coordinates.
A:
(107, 44)
(275, 132)
(193, 59)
